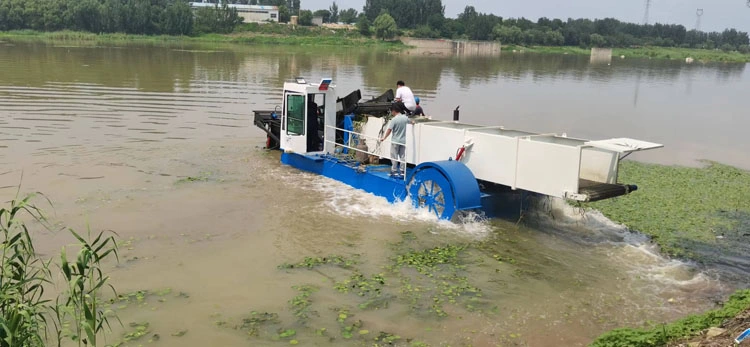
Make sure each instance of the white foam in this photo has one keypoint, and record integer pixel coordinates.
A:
(632, 250)
(345, 200)
(591, 224)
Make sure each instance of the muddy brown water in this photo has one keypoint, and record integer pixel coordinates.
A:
(156, 144)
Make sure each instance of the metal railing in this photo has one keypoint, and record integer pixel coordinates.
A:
(363, 136)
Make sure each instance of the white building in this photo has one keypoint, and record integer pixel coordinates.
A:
(249, 13)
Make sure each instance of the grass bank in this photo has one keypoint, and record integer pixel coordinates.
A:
(669, 334)
(700, 55)
(304, 37)
(683, 209)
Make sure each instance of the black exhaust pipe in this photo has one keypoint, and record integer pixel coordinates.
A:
(455, 114)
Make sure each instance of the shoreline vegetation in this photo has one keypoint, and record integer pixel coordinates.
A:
(345, 38)
(646, 52)
(683, 332)
(378, 22)
(86, 38)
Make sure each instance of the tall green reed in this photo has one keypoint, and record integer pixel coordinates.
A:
(27, 317)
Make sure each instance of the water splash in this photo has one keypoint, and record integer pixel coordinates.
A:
(347, 201)
(344, 200)
(658, 276)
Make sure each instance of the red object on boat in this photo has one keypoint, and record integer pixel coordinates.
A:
(460, 152)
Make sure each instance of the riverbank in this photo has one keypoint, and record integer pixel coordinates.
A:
(727, 322)
(332, 38)
(674, 53)
(254, 34)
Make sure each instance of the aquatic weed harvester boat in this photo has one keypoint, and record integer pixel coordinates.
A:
(451, 166)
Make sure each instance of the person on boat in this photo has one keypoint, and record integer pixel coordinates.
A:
(405, 97)
(313, 137)
(397, 127)
(418, 111)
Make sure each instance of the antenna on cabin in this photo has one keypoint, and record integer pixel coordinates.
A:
(645, 15)
(698, 14)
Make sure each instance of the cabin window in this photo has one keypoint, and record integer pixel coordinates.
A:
(295, 114)
(273, 15)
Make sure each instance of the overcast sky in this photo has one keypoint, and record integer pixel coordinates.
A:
(717, 14)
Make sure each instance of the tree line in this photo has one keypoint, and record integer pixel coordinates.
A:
(384, 18)
(426, 18)
(148, 17)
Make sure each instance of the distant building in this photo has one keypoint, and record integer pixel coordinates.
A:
(249, 13)
(317, 21)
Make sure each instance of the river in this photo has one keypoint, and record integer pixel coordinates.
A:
(156, 143)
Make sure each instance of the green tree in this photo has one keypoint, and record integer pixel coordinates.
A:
(334, 10)
(385, 26)
(217, 19)
(348, 16)
(553, 38)
(363, 25)
(596, 40)
(406, 13)
(284, 14)
(305, 17)
(178, 19)
(424, 31)
(112, 16)
(508, 35)
(86, 15)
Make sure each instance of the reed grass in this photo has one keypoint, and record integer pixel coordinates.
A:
(27, 316)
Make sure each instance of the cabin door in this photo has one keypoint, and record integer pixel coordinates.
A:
(293, 131)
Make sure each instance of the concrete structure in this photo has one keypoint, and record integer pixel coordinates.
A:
(601, 55)
(450, 47)
(317, 21)
(249, 13)
(339, 26)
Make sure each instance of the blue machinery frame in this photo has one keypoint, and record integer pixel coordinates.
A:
(442, 187)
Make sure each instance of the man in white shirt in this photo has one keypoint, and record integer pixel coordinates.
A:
(405, 97)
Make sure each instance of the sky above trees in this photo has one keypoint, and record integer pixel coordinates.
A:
(717, 14)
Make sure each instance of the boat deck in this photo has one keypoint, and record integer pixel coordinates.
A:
(384, 171)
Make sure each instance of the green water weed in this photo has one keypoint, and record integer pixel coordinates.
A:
(301, 303)
(313, 262)
(425, 261)
(679, 206)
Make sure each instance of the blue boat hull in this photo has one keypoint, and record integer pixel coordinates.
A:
(376, 179)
